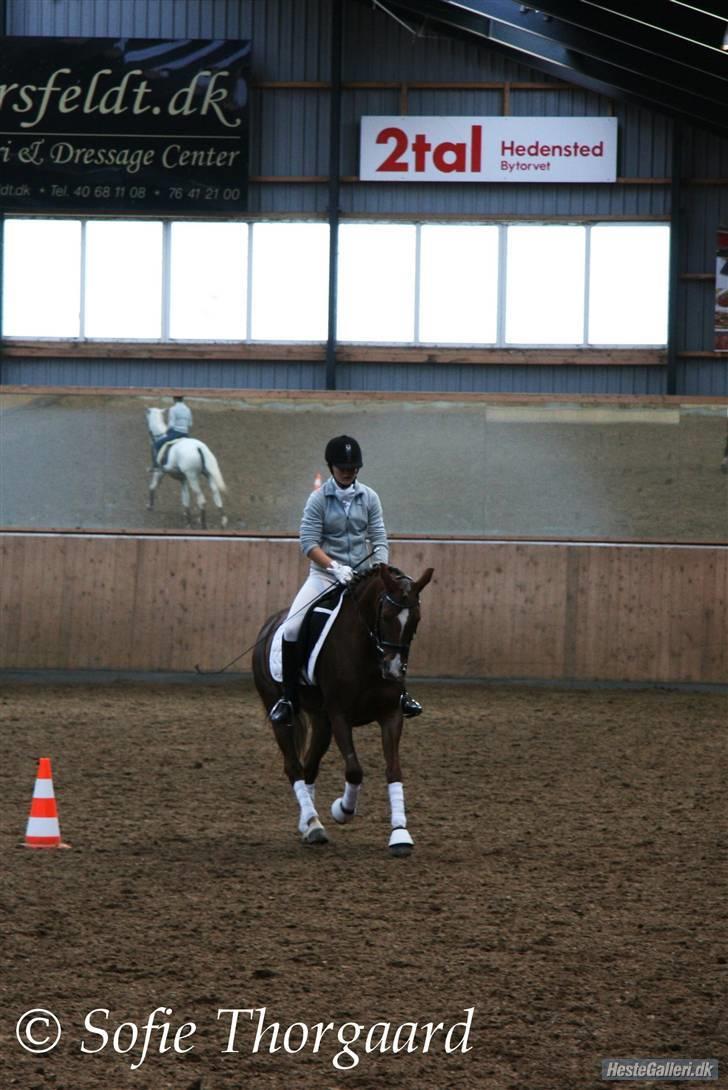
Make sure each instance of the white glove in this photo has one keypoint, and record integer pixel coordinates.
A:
(342, 573)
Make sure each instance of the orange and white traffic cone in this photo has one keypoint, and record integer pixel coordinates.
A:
(317, 482)
(43, 830)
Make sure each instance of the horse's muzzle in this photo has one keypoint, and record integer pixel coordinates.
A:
(393, 666)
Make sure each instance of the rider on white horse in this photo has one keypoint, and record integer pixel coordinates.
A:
(179, 418)
(179, 422)
(187, 460)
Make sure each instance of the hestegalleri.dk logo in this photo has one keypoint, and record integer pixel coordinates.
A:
(633, 1070)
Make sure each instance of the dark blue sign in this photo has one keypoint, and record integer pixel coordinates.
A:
(123, 125)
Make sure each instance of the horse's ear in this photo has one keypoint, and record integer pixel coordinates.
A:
(423, 580)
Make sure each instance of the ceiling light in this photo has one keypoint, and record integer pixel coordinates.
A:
(725, 38)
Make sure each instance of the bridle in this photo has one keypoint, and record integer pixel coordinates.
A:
(381, 645)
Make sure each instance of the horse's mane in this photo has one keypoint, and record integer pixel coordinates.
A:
(363, 578)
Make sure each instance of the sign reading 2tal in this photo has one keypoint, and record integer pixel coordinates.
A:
(488, 149)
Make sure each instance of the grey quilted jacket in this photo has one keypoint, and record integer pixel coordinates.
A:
(347, 538)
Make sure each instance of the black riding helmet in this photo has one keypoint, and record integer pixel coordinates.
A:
(343, 451)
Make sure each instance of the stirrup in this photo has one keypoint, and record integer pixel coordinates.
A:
(282, 713)
(410, 706)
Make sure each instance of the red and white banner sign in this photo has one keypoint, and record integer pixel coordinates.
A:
(488, 149)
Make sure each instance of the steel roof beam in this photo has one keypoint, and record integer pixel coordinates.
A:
(594, 71)
(618, 29)
(618, 53)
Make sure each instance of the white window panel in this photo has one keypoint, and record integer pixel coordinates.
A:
(376, 282)
(629, 284)
(451, 297)
(458, 284)
(123, 286)
(545, 285)
(42, 278)
(290, 275)
(208, 281)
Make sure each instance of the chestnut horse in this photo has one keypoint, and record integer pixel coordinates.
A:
(359, 679)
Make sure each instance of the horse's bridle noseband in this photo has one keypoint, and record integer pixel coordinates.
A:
(381, 644)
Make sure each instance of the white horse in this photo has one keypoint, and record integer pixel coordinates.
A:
(187, 461)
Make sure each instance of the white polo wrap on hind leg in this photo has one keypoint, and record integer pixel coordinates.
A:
(396, 802)
(351, 796)
(343, 809)
(305, 802)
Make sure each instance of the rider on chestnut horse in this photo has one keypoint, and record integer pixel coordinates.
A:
(342, 521)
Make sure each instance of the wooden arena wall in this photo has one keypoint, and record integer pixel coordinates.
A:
(494, 609)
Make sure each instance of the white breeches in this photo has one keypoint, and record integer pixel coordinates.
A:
(316, 583)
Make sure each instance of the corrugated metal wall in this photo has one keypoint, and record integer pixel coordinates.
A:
(289, 138)
(189, 374)
(267, 375)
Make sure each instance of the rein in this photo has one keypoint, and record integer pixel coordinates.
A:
(375, 635)
(261, 639)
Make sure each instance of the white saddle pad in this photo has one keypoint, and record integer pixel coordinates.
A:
(275, 660)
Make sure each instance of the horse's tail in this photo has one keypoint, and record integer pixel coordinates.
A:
(210, 467)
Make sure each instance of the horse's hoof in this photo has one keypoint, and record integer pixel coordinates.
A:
(340, 815)
(400, 843)
(315, 834)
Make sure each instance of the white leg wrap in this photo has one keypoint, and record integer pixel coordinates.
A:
(305, 802)
(351, 795)
(396, 802)
(311, 788)
(344, 808)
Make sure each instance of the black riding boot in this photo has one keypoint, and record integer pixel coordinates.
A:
(283, 711)
(410, 706)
